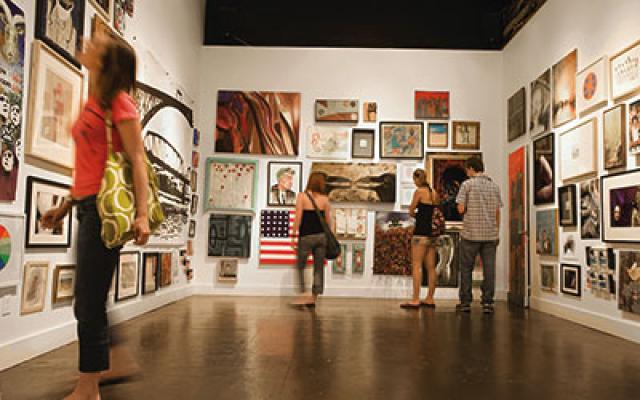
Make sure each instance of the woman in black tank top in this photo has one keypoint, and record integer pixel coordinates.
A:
(423, 241)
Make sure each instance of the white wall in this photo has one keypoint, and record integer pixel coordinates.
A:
(596, 28)
(388, 77)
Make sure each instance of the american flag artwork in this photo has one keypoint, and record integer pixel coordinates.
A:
(276, 228)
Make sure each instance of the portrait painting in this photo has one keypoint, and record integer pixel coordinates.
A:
(593, 89)
(438, 135)
(567, 207)
(370, 112)
(64, 277)
(578, 151)
(540, 112)
(548, 274)
(634, 127)
(614, 137)
(571, 279)
(358, 252)
(590, 209)
(629, 281)
(564, 89)
(518, 224)
(284, 182)
(231, 184)
(229, 236)
(328, 142)
(342, 110)
(466, 135)
(34, 287)
(12, 232)
(547, 232)
(362, 143)
(517, 115)
(166, 264)
(228, 270)
(102, 7)
(625, 72)
(621, 207)
(258, 123)
(150, 267)
(42, 196)
(127, 276)
(60, 24)
(431, 105)
(543, 173)
(359, 182)
(403, 140)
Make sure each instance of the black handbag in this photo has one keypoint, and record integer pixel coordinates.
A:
(333, 246)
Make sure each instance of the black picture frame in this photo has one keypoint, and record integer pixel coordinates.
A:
(192, 228)
(194, 204)
(43, 15)
(573, 269)
(68, 219)
(607, 216)
(156, 279)
(118, 296)
(383, 156)
(359, 134)
(290, 198)
(568, 217)
(544, 146)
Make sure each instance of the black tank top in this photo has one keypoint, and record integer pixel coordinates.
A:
(424, 216)
(310, 224)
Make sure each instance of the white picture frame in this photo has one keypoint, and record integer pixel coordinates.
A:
(578, 151)
(11, 246)
(592, 84)
(624, 68)
(329, 142)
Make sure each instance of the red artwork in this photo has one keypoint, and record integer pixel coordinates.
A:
(431, 105)
(517, 226)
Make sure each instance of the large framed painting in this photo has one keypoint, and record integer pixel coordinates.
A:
(590, 209)
(544, 170)
(621, 207)
(593, 87)
(150, 266)
(564, 89)
(64, 277)
(284, 182)
(229, 236)
(363, 143)
(231, 184)
(517, 226)
(370, 112)
(276, 239)
(128, 276)
(42, 196)
(11, 247)
(614, 140)
(466, 135)
(629, 281)
(392, 243)
(547, 232)
(548, 280)
(403, 140)
(258, 123)
(571, 279)
(540, 105)
(55, 98)
(359, 182)
(567, 207)
(34, 287)
(330, 142)
(634, 127)
(516, 112)
(60, 24)
(579, 151)
(431, 105)
(446, 173)
(438, 135)
(102, 7)
(625, 72)
(343, 110)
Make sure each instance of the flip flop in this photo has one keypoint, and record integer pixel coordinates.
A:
(410, 306)
(427, 305)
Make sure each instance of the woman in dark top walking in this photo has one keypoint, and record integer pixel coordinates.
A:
(423, 241)
(311, 238)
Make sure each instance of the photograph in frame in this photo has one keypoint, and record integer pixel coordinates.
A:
(590, 209)
(569, 248)
(547, 232)
(544, 170)
(42, 196)
(579, 151)
(621, 207)
(614, 139)
(540, 113)
(567, 205)
(64, 277)
(150, 269)
(548, 274)
(629, 281)
(128, 276)
(362, 143)
(402, 140)
(570, 278)
(438, 135)
(192, 228)
(60, 24)
(34, 287)
(466, 135)
(564, 89)
(634, 127)
(284, 182)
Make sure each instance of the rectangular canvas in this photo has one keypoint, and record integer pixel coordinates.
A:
(258, 123)
(342, 110)
(194, 204)
(151, 263)
(540, 105)
(34, 287)
(64, 277)
(614, 140)
(567, 199)
(363, 143)
(516, 112)
(569, 245)
(593, 86)
(629, 281)
(392, 243)
(328, 142)
(60, 24)
(103, 7)
(339, 265)
(359, 182)
(571, 280)
(621, 207)
(634, 127)
(370, 112)
(564, 89)
(229, 236)
(42, 196)
(357, 258)
(128, 276)
(431, 105)
(438, 135)
(165, 269)
(518, 240)
(228, 270)
(349, 223)
(466, 135)
(547, 232)
(231, 184)
(590, 209)
(548, 280)
(625, 71)
(403, 140)
(192, 229)
(55, 98)
(543, 170)
(284, 181)
(11, 248)
(579, 151)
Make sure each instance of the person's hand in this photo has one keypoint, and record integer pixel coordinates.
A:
(141, 230)
(52, 218)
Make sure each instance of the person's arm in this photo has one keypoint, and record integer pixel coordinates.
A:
(53, 216)
(414, 204)
(327, 213)
(461, 200)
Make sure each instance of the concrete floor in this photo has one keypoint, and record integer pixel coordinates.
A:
(259, 348)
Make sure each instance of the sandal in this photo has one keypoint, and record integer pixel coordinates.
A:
(427, 305)
(410, 305)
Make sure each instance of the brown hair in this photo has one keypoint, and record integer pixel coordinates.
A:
(317, 182)
(118, 71)
(475, 163)
(420, 178)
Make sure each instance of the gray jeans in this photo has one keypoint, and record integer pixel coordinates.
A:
(317, 245)
(469, 249)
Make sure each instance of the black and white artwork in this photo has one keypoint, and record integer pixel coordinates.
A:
(229, 236)
(590, 209)
(540, 104)
(60, 24)
(42, 196)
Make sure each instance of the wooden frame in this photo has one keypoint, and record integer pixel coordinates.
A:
(571, 219)
(465, 146)
(292, 192)
(633, 88)
(119, 296)
(573, 166)
(575, 269)
(55, 298)
(156, 280)
(208, 183)
(359, 134)
(554, 272)
(589, 75)
(619, 158)
(31, 210)
(430, 142)
(406, 124)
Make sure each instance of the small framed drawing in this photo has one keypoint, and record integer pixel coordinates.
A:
(102, 7)
(593, 90)
(329, 142)
(42, 196)
(284, 182)
(438, 135)
(337, 110)
(362, 143)
(164, 271)
(431, 105)
(625, 72)
(128, 276)
(568, 205)
(548, 274)
(403, 140)
(34, 287)
(150, 263)
(192, 228)
(194, 204)
(634, 127)
(60, 24)
(228, 270)
(64, 277)
(466, 135)
(406, 173)
(571, 279)
(196, 137)
(569, 247)
(621, 207)
(578, 151)
(370, 112)
(614, 137)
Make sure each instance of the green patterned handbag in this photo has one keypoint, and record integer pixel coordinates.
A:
(116, 199)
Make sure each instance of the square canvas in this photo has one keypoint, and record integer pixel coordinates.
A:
(540, 113)
(516, 112)
(284, 183)
(625, 71)
(629, 281)
(42, 196)
(590, 209)
(547, 233)
(342, 110)
(328, 142)
(466, 135)
(64, 277)
(614, 140)
(431, 105)
(357, 258)
(593, 89)
(403, 140)
(548, 280)
(634, 127)
(228, 270)
(370, 112)
(571, 280)
(151, 264)
(231, 184)
(229, 236)
(165, 269)
(438, 135)
(128, 276)
(359, 182)
(579, 151)
(544, 170)
(567, 205)
(60, 24)
(621, 207)
(362, 143)
(11, 248)
(34, 287)
(257, 123)
(564, 89)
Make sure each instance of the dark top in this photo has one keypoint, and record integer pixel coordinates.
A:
(310, 224)
(424, 216)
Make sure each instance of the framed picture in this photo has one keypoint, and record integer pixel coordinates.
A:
(195, 159)
(569, 247)
(194, 204)
(403, 140)
(64, 277)
(42, 196)
(11, 247)
(339, 265)
(166, 263)
(343, 110)
(568, 200)
(540, 104)
(128, 276)
(547, 233)
(228, 270)
(357, 258)
(518, 208)
(362, 143)
(614, 140)
(34, 287)
(544, 170)
(231, 184)
(349, 223)
(102, 7)
(359, 182)
(621, 207)
(593, 90)
(600, 273)
(196, 137)
(119, 11)
(625, 72)
(60, 24)
(548, 280)
(579, 151)
(192, 228)
(517, 115)
(431, 105)
(328, 142)
(466, 135)
(193, 180)
(571, 279)
(230, 235)
(284, 180)
(590, 209)
(406, 195)
(406, 172)
(55, 98)
(150, 266)
(634, 127)
(564, 89)
(370, 112)
(629, 281)
(438, 135)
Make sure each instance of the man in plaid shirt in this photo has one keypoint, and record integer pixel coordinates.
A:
(480, 203)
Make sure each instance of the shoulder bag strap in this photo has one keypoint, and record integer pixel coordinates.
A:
(108, 126)
(323, 221)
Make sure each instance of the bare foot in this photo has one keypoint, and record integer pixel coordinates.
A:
(86, 388)
(123, 366)
(303, 300)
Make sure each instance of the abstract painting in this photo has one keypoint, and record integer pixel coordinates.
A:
(357, 258)
(359, 182)
(579, 151)
(517, 225)
(42, 196)
(151, 263)
(548, 280)
(564, 89)
(431, 105)
(258, 123)
(593, 89)
(590, 209)
(103, 7)
(634, 127)
(328, 142)
(11, 247)
(362, 143)
(571, 279)
(228, 270)
(567, 198)
(544, 170)
(34, 287)
(629, 281)
(392, 243)
(625, 71)
(349, 223)
(337, 110)
(194, 204)
(229, 236)
(64, 277)
(540, 104)
(403, 140)
(60, 24)
(516, 112)
(466, 135)
(438, 135)
(547, 232)
(614, 137)
(231, 184)
(127, 276)
(370, 112)
(166, 264)
(621, 207)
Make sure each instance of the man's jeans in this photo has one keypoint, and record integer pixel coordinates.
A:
(469, 249)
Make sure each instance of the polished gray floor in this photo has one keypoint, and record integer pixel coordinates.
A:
(259, 348)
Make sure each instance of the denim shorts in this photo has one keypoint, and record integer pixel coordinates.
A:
(424, 241)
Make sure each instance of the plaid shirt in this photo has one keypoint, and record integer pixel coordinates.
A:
(481, 199)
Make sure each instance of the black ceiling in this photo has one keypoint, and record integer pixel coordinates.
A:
(423, 24)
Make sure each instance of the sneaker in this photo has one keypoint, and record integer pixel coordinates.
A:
(463, 307)
(487, 308)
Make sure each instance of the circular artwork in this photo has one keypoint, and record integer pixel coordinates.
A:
(5, 247)
(590, 85)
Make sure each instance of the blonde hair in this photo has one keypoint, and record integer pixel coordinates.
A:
(420, 178)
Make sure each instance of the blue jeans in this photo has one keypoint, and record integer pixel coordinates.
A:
(469, 249)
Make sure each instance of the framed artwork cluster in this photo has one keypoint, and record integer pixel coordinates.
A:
(601, 268)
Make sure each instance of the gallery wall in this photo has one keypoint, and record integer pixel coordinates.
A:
(595, 28)
(388, 77)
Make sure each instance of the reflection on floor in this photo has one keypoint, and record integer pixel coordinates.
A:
(259, 348)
